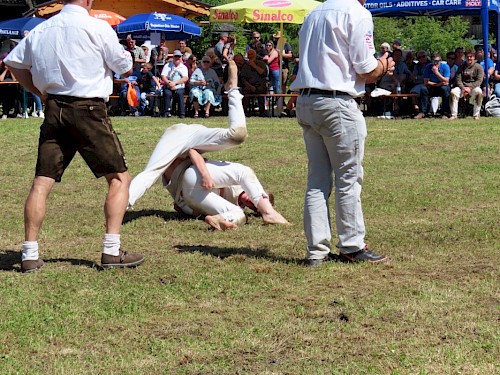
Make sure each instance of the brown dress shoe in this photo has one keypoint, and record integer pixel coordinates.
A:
(28, 266)
(124, 259)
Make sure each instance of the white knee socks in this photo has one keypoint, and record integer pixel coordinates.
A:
(111, 244)
(29, 250)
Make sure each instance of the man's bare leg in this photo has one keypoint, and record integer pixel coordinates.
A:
(116, 201)
(113, 256)
(35, 206)
(34, 213)
(269, 214)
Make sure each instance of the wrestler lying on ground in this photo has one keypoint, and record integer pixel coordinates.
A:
(178, 140)
(217, 189)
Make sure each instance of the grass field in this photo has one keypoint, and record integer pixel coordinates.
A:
(242, 302)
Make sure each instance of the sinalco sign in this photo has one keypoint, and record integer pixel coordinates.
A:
(265, 14)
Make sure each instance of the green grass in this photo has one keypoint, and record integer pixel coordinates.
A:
(242, 302)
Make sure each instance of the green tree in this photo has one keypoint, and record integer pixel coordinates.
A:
(210, 32)
(432, 34)
(386, 30)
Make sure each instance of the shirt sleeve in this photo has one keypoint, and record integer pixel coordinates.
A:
(362, 46)
(446, 70)
(20, 56)
(117, 58)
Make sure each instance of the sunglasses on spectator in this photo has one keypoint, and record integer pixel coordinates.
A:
(256, 37)
(451, 57)
(421, 57)
(269, 45)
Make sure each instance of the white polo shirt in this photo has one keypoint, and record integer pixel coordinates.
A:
(335, 45)
(72, 54)
(173, 73)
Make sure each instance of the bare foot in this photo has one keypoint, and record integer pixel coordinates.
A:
(269, 214)
(232, 77)
(219, 223)
(274, 218)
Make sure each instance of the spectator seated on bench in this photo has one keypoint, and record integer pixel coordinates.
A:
(436, 81)
(148, 84)
(125, 106)
(204, 87)
(174, 75)
(469, 79)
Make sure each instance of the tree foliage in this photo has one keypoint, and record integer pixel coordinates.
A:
(243, 32)
(432, 34)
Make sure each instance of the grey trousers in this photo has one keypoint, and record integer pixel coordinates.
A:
(334, 131)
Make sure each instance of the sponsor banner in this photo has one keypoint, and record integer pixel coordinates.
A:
(7, 32)
(257, 15)
(164, 26)
(423, 5)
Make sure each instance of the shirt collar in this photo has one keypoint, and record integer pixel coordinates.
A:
(71, 8)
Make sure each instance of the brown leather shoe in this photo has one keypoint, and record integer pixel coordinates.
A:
(28, 266)
(124, 259)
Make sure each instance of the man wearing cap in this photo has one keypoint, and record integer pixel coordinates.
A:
(286, 56)
(396, 44)
(334, 128)
(52, 62)
(174, 75)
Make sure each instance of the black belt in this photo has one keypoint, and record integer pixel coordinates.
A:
(72, 99)
(322, 92)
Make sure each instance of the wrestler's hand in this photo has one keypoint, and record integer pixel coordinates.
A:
(207, 183)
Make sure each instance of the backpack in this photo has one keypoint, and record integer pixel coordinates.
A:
(492, 107)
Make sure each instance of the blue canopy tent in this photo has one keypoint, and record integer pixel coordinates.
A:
(16, 27)
(171, 27)
(412, 8)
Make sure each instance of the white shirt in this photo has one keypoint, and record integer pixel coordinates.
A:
(72, 54)
(335, 45)
(173, 73)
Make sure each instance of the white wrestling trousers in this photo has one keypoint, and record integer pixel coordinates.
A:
(224, 175)
(178, 139)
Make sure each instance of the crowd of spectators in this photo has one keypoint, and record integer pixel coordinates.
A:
(180, 83)
(436, 84)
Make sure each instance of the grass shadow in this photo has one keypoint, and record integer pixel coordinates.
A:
(226, 252)
(8, 259)
(165, 215)
(76, 262)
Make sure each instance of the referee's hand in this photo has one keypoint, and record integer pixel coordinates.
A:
(389, 62)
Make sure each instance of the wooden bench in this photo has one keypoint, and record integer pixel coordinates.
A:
(274, 98)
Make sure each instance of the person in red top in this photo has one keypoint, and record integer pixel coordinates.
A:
(273, 61)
